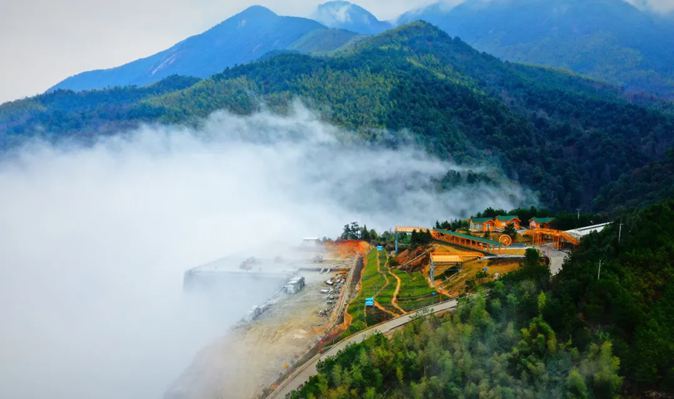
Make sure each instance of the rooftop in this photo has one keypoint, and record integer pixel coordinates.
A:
(446, 258)
(542, 220)
(466, 236)
(507, 218)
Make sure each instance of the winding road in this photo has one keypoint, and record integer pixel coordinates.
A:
(308, 369)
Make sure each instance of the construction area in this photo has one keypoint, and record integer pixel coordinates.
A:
(277, 332)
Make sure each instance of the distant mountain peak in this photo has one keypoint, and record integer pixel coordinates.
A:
(418, 36)
(412, 30)
(256, 11)
(340, 11)
(342, 14)
(239, 39)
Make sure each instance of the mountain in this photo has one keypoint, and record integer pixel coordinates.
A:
(349, 16)
(610, 40)
(238, 40)
(560, 135)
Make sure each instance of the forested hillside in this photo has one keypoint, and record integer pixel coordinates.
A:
(630, 299)
(644, 186)
(610, 40)
(563, 136)
(584, 334)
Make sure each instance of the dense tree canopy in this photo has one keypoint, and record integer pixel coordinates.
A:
(631, 299)
(581, 334)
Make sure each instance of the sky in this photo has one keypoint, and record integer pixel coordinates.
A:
(45, 41)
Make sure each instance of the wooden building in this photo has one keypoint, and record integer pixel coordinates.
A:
(484, 225)
(501, 221)
(540, 223)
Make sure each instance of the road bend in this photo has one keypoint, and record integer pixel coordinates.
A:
(308, 369)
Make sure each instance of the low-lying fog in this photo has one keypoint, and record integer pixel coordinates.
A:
(94, 240)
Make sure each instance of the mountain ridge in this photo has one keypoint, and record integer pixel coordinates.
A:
(563, 136)
(241, 38)
(609, 40)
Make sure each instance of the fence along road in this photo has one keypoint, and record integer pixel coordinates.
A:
(308, 369)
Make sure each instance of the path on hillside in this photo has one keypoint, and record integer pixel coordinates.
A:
(308, 369)
(383, 309)
(394, 299)
(376, 303)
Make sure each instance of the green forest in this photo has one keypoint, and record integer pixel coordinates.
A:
(563, 136)
(586, 333)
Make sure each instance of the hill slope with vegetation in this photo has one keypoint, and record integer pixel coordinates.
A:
(562, 136)
(610, 40)
(581, 334)
(644, 186)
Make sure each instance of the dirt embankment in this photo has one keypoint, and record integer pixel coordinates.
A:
(413, 259)
(347, 248)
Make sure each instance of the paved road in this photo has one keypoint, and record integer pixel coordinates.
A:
(308, 369)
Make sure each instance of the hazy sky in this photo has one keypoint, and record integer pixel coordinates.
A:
(44, 41)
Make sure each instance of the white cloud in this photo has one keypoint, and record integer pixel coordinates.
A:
(661, 6)
(95, 239)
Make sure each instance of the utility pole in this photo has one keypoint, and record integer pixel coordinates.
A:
(578, 214)
(599, 269)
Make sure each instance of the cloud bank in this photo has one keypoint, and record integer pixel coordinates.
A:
(95, 239)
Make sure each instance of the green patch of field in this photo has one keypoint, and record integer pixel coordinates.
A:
(414, 291)
(385, 297)
(372, 282)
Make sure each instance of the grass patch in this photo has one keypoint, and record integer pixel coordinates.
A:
(371, 282)
(385, 297)
(414, 291)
